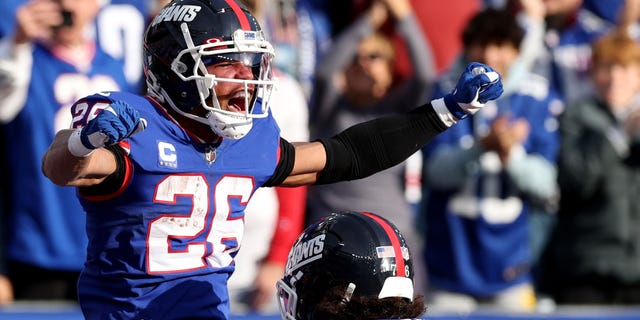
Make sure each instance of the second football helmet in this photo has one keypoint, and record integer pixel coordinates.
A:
(361, 252)
(188, 35)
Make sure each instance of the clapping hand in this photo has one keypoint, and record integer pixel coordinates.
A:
(504, 134)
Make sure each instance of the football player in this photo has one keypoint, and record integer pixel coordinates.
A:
(165, 205)
(349, 265)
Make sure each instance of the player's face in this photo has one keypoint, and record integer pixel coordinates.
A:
(231, 96)
(561, 7)
(370, 72)
(499, 56)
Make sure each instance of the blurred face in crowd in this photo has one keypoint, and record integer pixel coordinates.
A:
(615, 83)
(80, 14)
(499, 56)
(370, 74)
(561, 7)
(615, 70)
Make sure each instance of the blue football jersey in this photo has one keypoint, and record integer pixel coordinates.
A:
(477, 235)
(46, 221)
(162, 246)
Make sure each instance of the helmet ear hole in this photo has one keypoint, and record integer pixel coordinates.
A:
(179, 66)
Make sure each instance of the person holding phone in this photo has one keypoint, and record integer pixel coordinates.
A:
(46, 64)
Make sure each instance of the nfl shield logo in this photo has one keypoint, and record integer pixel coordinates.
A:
(210, 155)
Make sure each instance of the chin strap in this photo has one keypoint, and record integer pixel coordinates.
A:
(349, 292)
(153, 88)
(228, 126)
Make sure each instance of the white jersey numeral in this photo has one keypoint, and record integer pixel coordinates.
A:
(171, 239)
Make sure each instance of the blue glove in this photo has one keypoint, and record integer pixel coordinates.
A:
(113, 124)
(478, 84)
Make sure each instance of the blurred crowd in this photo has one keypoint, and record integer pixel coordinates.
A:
(532, 198)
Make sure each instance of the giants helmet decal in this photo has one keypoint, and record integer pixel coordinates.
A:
(188, 35)
(360, 251)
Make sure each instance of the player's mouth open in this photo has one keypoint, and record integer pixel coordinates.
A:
(237, 103)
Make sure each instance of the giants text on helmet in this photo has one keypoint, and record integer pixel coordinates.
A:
(177, 13)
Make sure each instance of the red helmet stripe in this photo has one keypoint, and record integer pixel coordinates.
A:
(395, 242)
(242, 18)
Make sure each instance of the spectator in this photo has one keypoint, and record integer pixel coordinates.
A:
(595, 256)
(46, 65)
(486, 176)
(119, 27)
(354, 83)
(570, 27)
(441, 22)
(359, 267)
(299, 32)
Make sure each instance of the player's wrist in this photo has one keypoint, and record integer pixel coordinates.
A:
(443, 112)
(454, 107)
(76, 146)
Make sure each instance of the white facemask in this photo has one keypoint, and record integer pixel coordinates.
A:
(229, 126)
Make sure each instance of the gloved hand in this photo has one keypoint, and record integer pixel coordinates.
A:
(478, 84)
(113, 124)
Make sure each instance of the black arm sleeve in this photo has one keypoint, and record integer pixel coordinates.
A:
(285, 164)
(113, 182)
(376, 145)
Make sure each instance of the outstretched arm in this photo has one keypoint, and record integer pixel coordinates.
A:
(376, 145)
(364, 149)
